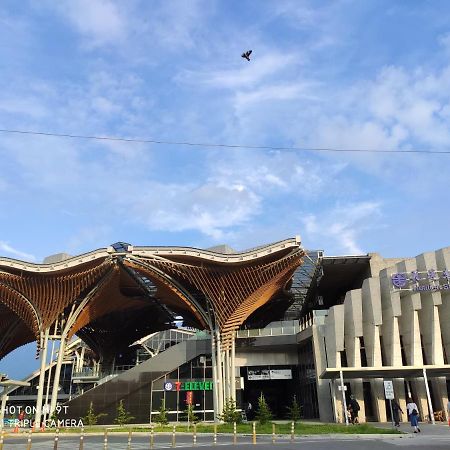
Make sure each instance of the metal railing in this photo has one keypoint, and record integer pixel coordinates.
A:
(303, 324)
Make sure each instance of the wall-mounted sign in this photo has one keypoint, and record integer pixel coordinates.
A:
(269, 374)
(417, 281)
(258, 374)
(188, 386)
(280, 374)
(389, 390)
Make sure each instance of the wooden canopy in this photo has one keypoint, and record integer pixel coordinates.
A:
(144, 287)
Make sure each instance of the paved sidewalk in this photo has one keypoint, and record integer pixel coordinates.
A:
(439, 429)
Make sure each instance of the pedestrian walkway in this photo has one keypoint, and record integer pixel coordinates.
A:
(439, 429)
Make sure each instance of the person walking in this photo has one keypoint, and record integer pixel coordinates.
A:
(396, 411)
(249, 411)
(354, 409)
(413, 413)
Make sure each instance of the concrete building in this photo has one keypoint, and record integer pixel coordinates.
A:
(332, 327)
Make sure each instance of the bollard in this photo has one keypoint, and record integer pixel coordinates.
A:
(29, 441)
(254, 433)
(105, 439)
(129, 440)
(292, 431)
(81, 439)
(152, 437)
(173, 437)
(55, 445)
(215, 434)
(2, 437)
(194, 435)
(234, 433)
(273, 433)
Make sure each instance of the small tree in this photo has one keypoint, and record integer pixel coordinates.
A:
(263, 414)
(294, 410)
(123, 416)
(161, 418)
(190, 414)
(91, 418)
(229, 413)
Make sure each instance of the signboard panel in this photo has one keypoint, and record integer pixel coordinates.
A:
(188, 386)
(258, 374)
(269, 374)
(280, 374)
(389, 390)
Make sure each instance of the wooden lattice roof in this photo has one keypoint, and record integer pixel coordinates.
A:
(210, 290)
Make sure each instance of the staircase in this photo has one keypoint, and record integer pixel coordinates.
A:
(134, 386)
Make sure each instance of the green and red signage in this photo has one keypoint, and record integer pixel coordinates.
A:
(188, 386)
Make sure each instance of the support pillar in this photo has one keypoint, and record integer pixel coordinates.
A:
(227, 375)
(3, 405)
(215, 377)
(40, 393)
(430, 405)
(49, 379)
(344, 401)
(54, 398)
(233, 368)
(214, 373)
(219, 373)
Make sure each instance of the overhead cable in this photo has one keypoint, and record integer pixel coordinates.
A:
(219, 145)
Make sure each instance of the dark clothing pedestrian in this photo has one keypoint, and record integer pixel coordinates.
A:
(354, 410)
(396, 411)
(249, 411)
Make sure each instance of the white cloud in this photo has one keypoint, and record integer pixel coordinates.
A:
(100, 22)
(273, 93)
(338, 229)
(260, 68)
(6, 247)
(204, 207)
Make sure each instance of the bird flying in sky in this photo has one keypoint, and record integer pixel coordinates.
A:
(246, 55)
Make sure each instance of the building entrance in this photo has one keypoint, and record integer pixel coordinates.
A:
(276, 383)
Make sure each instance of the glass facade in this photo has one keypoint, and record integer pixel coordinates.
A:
(175, 400)
(307, 389)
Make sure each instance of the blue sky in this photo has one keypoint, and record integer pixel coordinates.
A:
(341, 74)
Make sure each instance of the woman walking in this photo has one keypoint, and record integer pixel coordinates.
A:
(413, 413)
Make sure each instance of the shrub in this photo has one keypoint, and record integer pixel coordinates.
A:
(161, 418)
(123, 416)
(91, 418)
(294, 410)
(263, 414)
(190, 414)
(229, 413)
